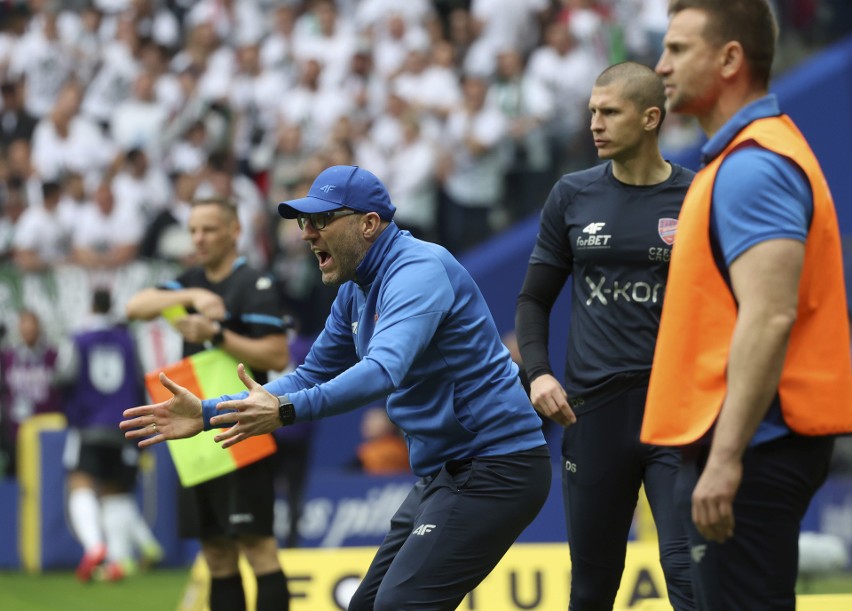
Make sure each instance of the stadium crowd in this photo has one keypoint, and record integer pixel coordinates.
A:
(117, 113)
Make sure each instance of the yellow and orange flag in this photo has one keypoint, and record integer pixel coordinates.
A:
(208, 374)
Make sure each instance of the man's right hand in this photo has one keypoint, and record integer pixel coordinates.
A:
(176, 418)
(550, 400)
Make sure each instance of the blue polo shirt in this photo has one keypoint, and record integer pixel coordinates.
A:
(758, 195)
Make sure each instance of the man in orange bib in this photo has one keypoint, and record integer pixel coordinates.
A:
(751, 374)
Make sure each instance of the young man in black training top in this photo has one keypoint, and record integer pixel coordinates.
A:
(611, 227)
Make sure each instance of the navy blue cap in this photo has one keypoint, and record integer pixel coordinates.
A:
(342, 186)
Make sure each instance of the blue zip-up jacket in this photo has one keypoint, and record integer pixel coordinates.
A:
(414, 328)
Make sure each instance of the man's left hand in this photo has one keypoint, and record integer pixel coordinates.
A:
(255, 415)
(713, 499)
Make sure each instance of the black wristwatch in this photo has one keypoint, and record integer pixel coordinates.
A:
(286, 411)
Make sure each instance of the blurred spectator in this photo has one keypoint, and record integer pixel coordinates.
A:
(190, 153)
(41, 240)
(73, 201)
(233, 21)
(386, 131)
(528, 107)
(460, 33)
(287, 162)
(142, 185)
(412, 181)
(590, 24)
(369, 14)
(473, 168)
(430, 88)
(321, 35)
(441, 84)
(15, 122)
(138, 121)
(13, 203)
(339, 149)
(508, 24)
(254, 99)
(364, 87)
(218, 64)
(108, 231)
(643, 23)
(315, 108)
(19, 167)
(383, 451)
(83, 39)
(562, 55)
(197, 124)
(112, 84)
(166, 236)
(153, 20)
(67, 141)
(99, 367)
(42, 61)
(394, 39)
(27, 383)
(276, 51)
(13, 22)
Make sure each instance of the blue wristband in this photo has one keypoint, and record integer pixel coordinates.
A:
(208, 410)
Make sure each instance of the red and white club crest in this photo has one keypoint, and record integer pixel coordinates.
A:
(667, 228)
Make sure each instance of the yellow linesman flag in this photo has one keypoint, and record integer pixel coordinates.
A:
(207, 374)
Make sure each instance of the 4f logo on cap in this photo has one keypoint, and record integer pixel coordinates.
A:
(327, 188)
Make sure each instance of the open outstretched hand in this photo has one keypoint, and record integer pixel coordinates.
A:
(176, 418)
(254, 415)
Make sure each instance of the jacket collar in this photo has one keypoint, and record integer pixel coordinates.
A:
(368, 270)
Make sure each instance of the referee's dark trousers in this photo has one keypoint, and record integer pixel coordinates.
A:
(452, 530)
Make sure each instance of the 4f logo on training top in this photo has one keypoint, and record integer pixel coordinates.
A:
(327, 188)
(423, 529)
(667, 228)
(592, 239)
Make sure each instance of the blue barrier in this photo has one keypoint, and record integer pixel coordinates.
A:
(9, 496)
(342, 509)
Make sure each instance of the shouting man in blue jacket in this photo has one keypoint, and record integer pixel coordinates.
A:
(408, 324)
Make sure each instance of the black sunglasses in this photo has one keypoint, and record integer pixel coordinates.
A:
(320, 220)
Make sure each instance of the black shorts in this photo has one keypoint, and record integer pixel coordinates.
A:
(239, 503)
(104, 454)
